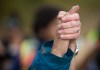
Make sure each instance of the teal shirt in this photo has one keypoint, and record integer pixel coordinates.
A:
(45, 60)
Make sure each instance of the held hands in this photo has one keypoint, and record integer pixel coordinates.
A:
(68, 30)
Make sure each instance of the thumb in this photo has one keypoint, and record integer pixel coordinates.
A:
(61, 14)
(74, 9)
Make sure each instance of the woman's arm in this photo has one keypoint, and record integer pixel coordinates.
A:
(56, 55)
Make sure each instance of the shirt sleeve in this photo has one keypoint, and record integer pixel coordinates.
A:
(45, 60)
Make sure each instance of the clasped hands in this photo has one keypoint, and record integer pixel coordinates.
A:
(68, 30)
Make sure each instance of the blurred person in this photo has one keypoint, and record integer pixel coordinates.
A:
(52, 54)
(44, 29)
(45, 26)
(94, 61)
(2, 49)
(28, 51)
(14, 37)
(45, 23)
(2, 54)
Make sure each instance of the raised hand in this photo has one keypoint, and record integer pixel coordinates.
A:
(67, 30)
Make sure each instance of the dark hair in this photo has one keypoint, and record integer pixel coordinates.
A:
(13, 20)
(43, 17)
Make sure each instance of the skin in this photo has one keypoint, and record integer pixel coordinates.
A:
(64, 30)
(67, 31)
(69, 23)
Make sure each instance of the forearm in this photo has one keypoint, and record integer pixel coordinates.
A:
(73, 64)
(58, 49)
(46, 60)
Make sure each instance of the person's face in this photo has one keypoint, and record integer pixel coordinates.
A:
(50, 31)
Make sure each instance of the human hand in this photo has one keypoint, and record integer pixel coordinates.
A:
(69, 29)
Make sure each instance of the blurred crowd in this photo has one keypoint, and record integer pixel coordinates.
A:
(18, 50)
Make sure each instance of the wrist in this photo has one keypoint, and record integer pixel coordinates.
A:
(56, 52)
(72, 45)
(60, 47)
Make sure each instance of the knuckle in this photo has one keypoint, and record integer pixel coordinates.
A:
(78, 23)
(77, 28)
(61, 14)
(74, 30)
(73, 23)
(62, 31)
(63, 25)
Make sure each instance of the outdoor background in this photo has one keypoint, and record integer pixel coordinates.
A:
(89, 13)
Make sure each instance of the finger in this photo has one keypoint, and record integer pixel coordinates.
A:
(61, 14)
(72, 17)
(69, 24)
(70, 36)
(69, 31)
(72, 44)
(74, 9)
